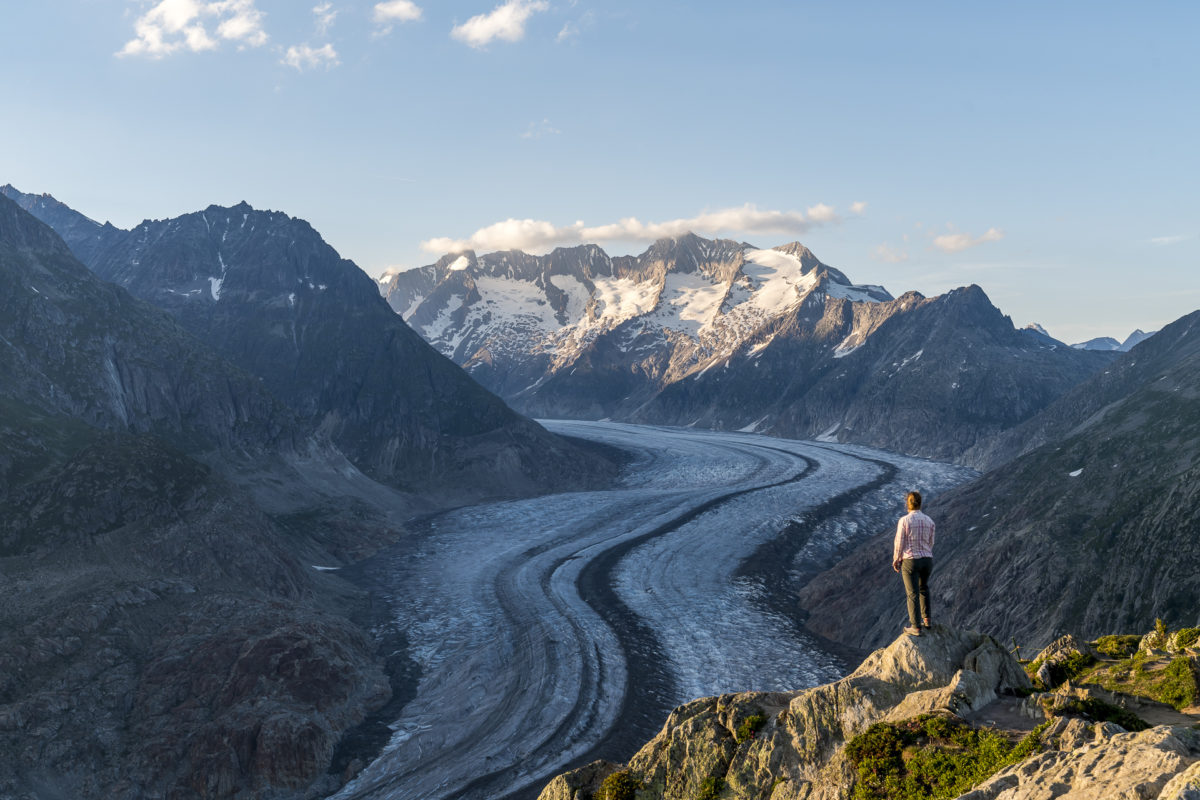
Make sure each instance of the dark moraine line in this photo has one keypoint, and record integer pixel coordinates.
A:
(648, 680)
(771, 565)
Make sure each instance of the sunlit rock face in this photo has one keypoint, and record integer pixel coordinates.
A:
(798, 748)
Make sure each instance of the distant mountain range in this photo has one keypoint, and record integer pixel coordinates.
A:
(1109, 343)
(728, 336)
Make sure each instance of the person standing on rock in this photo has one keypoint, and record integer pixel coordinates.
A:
(912, 557)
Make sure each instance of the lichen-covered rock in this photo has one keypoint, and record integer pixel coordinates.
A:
(1184, 786)
(797, 753)
(1063, 648)
(579, 783)
(1127, 765)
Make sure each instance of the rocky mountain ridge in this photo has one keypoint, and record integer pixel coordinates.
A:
(268, 293)
(724, 335)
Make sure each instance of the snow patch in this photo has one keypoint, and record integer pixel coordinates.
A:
(1076, 473)
(845, 348)
(459, 264)
(577, 295)
(828, 436)
(214, 286)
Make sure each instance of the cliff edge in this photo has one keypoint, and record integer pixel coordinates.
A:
(813, 744)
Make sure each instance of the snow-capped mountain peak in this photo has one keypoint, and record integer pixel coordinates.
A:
(690, 299)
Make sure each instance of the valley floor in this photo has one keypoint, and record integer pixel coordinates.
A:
(564, 628)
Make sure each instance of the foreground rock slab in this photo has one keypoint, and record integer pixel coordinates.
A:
(788, 746)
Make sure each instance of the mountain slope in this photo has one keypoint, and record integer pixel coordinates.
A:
(265, 291)
(77, 346)
(728, 336)
(160, 634)
(1092, 532)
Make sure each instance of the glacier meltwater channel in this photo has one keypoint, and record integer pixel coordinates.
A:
(566, 627)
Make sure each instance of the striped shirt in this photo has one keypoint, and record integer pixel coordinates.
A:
(914, 537)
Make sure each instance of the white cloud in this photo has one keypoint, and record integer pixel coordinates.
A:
(505, 22)
(392, 11)
(957, 242)
(858, 207)
(325, 14)
(541, 236)
(303, 57)
(244, 24)
(537, 130)
(174, 25)
(822, 213)
(572, 30)
(1163, 241)
(892, 255)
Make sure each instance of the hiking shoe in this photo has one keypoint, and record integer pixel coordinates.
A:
(925, 623)
(911, 631)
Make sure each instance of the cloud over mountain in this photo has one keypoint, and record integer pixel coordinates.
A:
(539, 236)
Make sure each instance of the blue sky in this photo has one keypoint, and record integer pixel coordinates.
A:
(1048, 152)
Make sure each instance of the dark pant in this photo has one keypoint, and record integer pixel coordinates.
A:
(915, 572)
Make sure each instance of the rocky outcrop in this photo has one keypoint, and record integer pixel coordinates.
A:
(798, 750)
(793, 746)
(1158, 764)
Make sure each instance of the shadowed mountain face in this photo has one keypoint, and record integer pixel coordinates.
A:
(265, 291)
(1092, 530)
(727, 336)
(161, 634)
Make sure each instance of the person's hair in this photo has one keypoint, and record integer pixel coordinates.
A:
(914, 501)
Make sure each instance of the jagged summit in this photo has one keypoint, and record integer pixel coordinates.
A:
(270, 294)
(725, 334)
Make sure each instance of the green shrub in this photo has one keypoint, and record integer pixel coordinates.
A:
(750, 726)
(710, 788)
(1187, 637)
(1118, 646)
(1100, 711)
(1160, 634)
(929, 758)
(618, 786)
(1178, 686)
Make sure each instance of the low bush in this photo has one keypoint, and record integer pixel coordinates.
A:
(618, 786)
(929, 758)
(1178, 686)
(750, 727)
(710, 788)
(1187, 637)
(1118, 646)
(1098, 711)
